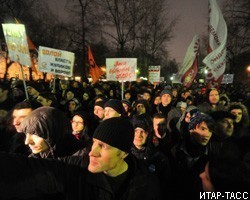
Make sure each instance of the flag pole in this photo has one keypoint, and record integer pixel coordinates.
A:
(122, 90)
(24, 83)
(54, 84)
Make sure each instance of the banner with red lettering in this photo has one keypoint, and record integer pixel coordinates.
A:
(16, 40)
(56, 61)
(216, 59)
(154, 74)
(189, 67)
(121, 69)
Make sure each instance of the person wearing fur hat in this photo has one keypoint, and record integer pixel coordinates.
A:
(242, 121)
(109, 172)
(113, 108)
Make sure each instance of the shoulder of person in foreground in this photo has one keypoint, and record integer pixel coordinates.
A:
(145, 183)
(24, 177)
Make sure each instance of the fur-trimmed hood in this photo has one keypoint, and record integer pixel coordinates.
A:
(245, 122)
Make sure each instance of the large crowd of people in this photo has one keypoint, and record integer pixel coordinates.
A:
(77, 140)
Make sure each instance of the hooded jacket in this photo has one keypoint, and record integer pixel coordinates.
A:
(52, 125)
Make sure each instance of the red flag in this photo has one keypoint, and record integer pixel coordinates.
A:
(188, 77)
(216, 59)
(95, 71)
(189, 67)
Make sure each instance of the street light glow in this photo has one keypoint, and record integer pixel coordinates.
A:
(248, 69)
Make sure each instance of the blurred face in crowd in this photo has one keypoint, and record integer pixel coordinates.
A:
(238, 114)
(85, 96)
(205, 179)
(214, 97)
(110, 112)
(77, 124)
(36, 143)
(175, 93)
(166, 99)
(70, 95)
(125, 106)
(146, 96)
(111, 93)
(201, 134)
(18, 116)
(63, 85)
(156, 122)
(140, 138)
(186, 94)
(127, 96)
(105, 158)
(72, 106)
(97, 91)
(99, 112)
(225, 127)
(188, 117)
(157, 100)
(140, 109)
(44, 101)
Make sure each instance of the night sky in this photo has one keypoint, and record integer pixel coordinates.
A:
(193, 20)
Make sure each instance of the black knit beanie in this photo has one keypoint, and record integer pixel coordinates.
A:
(116, 132)
(116, 105)
(100, 103)
(221, 114)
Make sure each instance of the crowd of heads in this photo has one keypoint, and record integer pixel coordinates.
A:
(145, 121)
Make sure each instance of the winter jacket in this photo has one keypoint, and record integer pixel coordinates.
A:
(42, 178)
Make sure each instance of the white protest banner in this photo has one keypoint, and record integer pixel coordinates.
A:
(55, 61)
(154, 74)
(16, 39)
(216, 59)
(227, 79)
(121, 69)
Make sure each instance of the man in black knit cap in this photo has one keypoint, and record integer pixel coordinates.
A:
(110, 173)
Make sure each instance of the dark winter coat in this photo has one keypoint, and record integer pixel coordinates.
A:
(38, 178)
